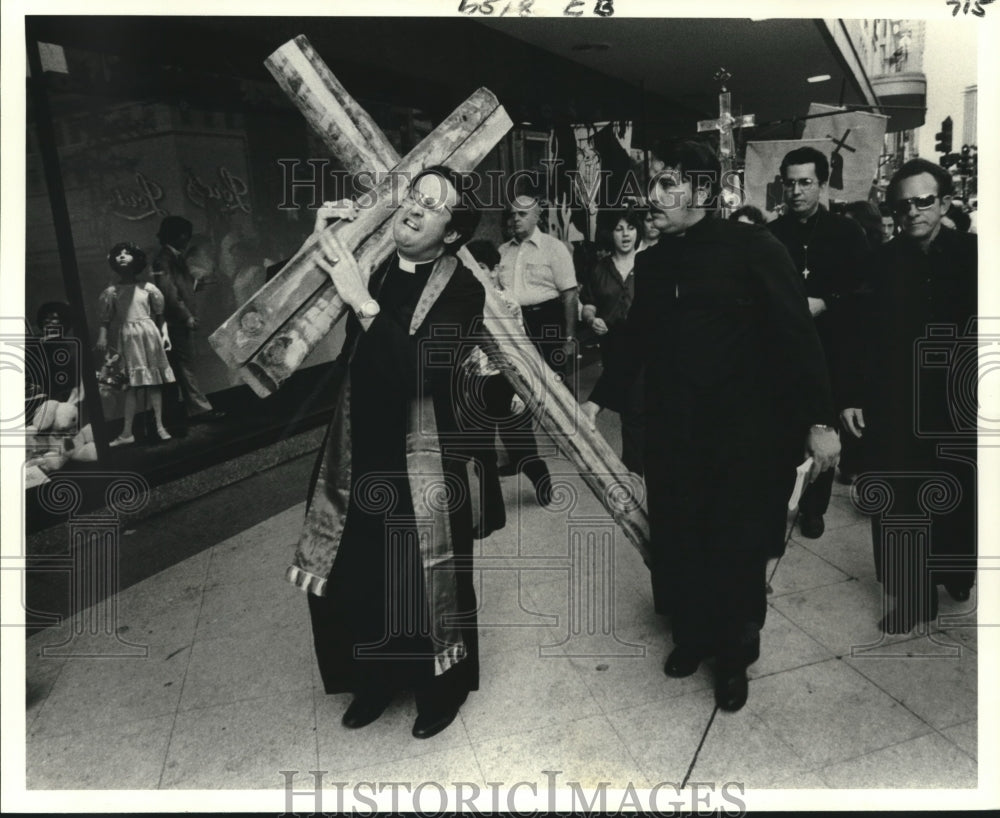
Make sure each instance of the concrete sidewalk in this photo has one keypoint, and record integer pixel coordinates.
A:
(228, 694)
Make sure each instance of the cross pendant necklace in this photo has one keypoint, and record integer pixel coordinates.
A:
(805, 249)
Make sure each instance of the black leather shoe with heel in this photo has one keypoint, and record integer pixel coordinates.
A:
(364, 709)
(682, 661)
(731, 687)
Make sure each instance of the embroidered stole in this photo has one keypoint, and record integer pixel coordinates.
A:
(330, 496)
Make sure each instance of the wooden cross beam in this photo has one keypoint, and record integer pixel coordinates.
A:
(270, 335)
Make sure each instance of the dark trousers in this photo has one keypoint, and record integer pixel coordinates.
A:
(518, 437)
(711, 528)
(633, 407)
(915, 550)
(816, 498)
(485, 408)
(544, 324)
(181, 357)
(633, 431)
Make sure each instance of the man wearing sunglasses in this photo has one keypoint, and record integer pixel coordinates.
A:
(827, 251)
(386, 548)
(908, 383)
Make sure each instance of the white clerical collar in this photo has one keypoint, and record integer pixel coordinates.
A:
(408, 266)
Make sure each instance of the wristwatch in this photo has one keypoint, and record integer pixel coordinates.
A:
(368, 310)
(824, 427)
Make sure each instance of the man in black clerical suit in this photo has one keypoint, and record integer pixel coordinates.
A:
(387, 544)
(910, 381)
(719, 319)
(828, 251)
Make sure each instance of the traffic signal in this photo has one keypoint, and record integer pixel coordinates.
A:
(965, 163)
(943, 137)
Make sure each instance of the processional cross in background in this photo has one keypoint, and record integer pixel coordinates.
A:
(837, 159)
(725, 123)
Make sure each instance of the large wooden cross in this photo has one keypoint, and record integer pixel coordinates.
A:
(267, 338)
(725, 123)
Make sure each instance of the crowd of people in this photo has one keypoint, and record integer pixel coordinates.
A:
(732, 349)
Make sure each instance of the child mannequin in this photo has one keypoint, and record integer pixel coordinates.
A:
(143, 339)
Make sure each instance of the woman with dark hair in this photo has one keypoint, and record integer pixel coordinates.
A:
(607, 297)
(143, 339)
(869, 218)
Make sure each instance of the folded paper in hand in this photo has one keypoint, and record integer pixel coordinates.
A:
(801, 473)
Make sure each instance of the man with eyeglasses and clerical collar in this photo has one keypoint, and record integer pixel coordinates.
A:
(827, 251)
(386, 549)
(908, 385)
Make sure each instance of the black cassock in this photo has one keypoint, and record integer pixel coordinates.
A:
(913, 370)
(832, 249)
(376, 599)
(734, 377)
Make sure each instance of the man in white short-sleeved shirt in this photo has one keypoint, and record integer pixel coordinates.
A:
(537, 271)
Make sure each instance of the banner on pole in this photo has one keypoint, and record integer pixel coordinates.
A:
(854, 141)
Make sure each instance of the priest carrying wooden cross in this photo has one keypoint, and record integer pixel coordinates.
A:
(399, 608)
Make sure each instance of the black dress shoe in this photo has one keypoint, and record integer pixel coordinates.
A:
(682, 661)
(434, 721)
(731, 688)
(904, 619)
(812, 526)
(482, 530)
(960, 593)
(543, 490)
(365, 709)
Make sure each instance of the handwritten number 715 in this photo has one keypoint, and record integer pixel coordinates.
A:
(977, 7)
